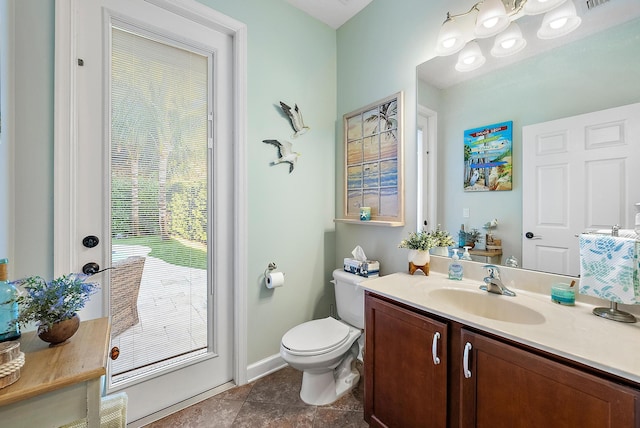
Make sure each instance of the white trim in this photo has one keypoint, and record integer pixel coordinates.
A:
(265, 367)
(7, 142)
(241, 253)
(429, 118)
(206, 16)
(65, 139)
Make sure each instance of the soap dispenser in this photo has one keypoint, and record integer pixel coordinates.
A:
(466, 255)
(455, 267)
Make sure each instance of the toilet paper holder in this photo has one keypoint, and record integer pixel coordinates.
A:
(272, 278)
(272, 266)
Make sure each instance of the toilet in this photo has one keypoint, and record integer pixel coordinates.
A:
(326, 349)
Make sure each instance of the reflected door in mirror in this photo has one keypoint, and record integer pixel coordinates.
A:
(575, 173)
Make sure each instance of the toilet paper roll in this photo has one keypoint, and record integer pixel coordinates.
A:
(275, 279)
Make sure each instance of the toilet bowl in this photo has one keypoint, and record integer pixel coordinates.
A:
(326, 349)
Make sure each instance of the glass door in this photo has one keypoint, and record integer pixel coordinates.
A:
(159, 198)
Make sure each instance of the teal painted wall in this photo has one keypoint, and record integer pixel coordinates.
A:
(378, 51)
(33, 144)
(291, 57)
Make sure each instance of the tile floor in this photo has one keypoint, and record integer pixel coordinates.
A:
(273, 402)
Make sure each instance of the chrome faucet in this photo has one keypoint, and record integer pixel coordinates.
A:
(493, 283)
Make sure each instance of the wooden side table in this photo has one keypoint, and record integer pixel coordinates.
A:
(61, 384)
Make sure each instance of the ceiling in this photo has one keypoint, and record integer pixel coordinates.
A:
(334, 13)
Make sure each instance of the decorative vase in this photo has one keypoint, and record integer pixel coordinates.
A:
(419, 260)
(440, 251)
(59, 332)
(419, 257)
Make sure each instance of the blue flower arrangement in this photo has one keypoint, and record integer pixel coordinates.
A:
(49, 302)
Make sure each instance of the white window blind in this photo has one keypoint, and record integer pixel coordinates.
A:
(159, 197)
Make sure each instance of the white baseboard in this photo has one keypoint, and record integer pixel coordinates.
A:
(264, 367)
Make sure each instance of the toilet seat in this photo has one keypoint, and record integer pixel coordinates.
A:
(316, 337)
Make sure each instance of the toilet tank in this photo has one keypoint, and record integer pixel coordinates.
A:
(349, 297)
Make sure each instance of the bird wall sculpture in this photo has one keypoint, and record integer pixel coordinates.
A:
(285, 153)
(295, 118)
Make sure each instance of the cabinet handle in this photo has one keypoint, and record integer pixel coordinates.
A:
(434, 348)
(465, 360)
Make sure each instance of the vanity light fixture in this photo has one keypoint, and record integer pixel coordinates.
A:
(497, 18)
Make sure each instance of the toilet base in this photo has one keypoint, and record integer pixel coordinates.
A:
(324, 387)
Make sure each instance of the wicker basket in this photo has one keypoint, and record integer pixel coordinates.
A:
(11, 360)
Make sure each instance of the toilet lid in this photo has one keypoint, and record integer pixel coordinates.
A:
(316, 337)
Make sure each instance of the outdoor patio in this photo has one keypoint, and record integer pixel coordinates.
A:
(172, 309)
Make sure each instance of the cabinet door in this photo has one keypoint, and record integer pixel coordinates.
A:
(512, 388)
(405, 365)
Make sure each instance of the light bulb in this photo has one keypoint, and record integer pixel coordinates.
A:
(508, 44)
(469, 60)
(491, 18)
(450, 38)
(449, 43)
(490, 23)
(559, 21)
(470, 57)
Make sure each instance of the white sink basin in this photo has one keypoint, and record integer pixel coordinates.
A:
(488, 305)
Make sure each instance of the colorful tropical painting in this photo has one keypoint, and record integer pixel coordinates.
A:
(373, 153)
(488, 158)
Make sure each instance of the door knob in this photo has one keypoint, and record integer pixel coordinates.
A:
(91, 268)
(90, 241)
(530, 235)
(115, 353)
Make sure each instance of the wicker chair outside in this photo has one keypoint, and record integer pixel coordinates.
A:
(126, 276)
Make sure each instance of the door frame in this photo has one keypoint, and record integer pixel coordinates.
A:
(428, 158)
(65, 241)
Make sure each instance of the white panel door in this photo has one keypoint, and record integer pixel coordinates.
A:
(579, 173)
(180, 342)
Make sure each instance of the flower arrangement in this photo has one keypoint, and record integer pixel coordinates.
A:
(442, 237)
(49, 302)
(424, 240)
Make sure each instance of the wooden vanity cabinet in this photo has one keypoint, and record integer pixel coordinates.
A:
(501, 385)
(405, 367)
(510, 387)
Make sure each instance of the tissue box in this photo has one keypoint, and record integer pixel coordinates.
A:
(367, 269)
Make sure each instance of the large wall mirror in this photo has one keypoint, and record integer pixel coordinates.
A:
(596, 69)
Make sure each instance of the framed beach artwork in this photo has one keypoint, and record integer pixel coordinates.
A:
(373, 177)
(488, 158)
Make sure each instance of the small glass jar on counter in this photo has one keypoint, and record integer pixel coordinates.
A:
(563, 294)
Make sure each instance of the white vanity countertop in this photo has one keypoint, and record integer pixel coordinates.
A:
(568, 331)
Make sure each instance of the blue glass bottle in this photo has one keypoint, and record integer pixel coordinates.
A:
(9, 330)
